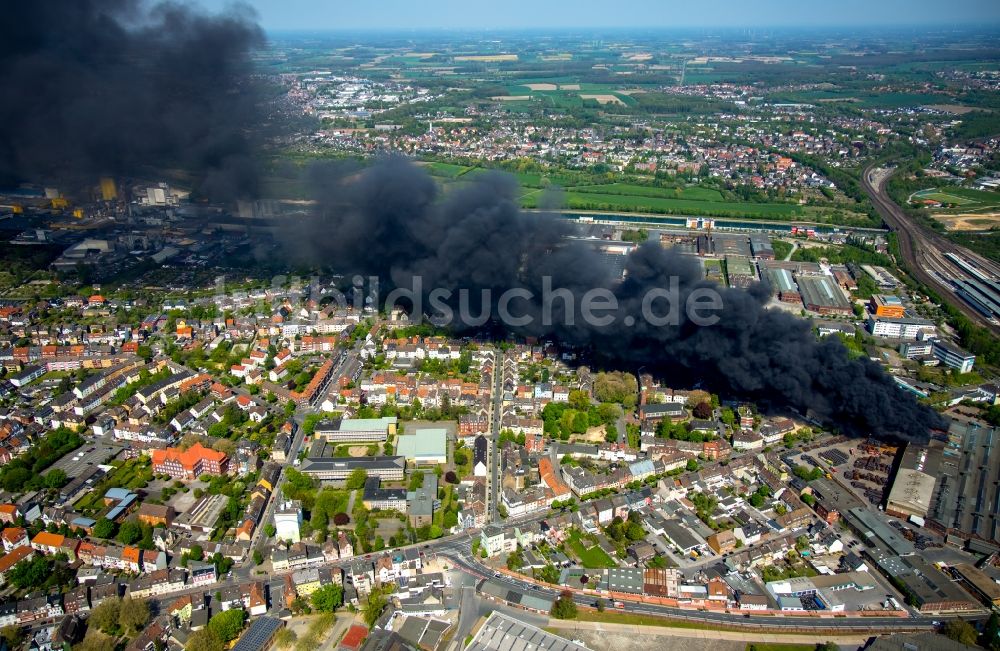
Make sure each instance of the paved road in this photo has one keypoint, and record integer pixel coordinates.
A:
(463, 561)
(922, 249)
(457, 550)
(795, 246)
(496, 420)
(258, 539)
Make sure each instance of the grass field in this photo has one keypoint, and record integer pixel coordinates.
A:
(944, 196)
(631, 203)
(693, 193)
(861, 98)
(572, 95)
(580, 193)
(591, 558)
(447, 170)
(613, 617)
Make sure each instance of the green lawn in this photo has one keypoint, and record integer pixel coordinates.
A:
(614, 617)
(631, 203)
(944, 196)
(591, 558)
(781, 249)
(580, 192)
(982, 196)
(692, 193)
(447, 170)
(861, 97)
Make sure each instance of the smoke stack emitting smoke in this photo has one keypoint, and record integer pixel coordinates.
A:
(121, 85)
(117, 86)
(388, 221)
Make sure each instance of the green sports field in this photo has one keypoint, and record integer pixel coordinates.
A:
(949, 196)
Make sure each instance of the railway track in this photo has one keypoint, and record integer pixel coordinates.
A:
(923, 250)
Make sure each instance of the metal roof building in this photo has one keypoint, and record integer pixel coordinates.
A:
(425, 445)
(260, 634)
(822, 295)
(504, 633)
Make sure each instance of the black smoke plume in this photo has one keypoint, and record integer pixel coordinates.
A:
(120, 87)
(389, 221)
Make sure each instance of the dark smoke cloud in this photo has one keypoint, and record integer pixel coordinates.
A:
(121, 86)
(389, 221)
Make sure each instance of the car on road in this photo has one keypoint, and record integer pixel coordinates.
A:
(497, 575)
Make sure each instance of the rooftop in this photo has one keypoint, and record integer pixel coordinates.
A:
(425, 442)
(504, 633)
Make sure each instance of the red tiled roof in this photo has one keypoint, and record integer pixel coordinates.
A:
(14, 557)
(47, 539)
(188, 458)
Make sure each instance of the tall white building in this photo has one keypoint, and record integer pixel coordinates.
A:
(900, 328)
(287, 520)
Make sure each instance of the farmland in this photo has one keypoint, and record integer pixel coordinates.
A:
(577, 200)
(584, 191)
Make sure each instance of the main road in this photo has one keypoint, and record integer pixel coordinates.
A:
(455, 551)
(923, 249)
(496, 422)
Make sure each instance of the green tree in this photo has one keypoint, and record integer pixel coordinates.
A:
(960, 631)
(228, 624)
(579, 400)
(104, 528)
(617, 387)
(204, 640)
(133, 614)
(30, 573)
(15, 479)
(129, 532)
(373, 608)
(285, 637)
(95, 641)
(548, 574)
(564, 607)
(328, 598)
(515, 560)
(105, 615)
(14, 635)
(56, 478)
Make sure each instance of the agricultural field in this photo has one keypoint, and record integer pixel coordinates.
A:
(582, 190)
(446, 170)
(576, 200)
(694, 193)
(861, 98)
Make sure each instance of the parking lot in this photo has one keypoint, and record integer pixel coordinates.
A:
(77, 462)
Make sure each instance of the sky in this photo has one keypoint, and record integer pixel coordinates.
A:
(553, 14)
